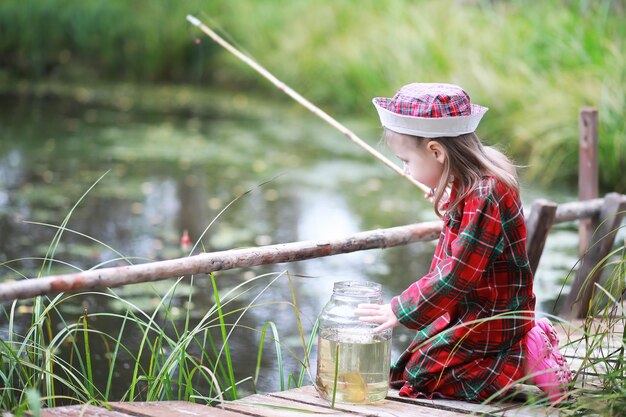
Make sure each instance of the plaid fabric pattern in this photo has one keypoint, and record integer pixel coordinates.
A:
(429, 100)
(474, 307)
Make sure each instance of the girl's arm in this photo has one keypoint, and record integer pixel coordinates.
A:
(479, 241)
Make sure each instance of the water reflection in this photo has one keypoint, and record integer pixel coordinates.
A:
(300, 180)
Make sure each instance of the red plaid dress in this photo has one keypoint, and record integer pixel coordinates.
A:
(474, 307)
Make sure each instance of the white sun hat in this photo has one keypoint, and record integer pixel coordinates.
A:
(429, 110)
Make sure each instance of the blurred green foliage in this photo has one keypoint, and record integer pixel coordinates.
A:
(535, 64)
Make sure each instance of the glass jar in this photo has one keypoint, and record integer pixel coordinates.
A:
(352, 361)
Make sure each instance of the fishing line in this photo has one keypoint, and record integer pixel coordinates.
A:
(303, 101)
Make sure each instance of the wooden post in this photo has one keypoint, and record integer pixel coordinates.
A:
(587, 170)
(605, 229)
(538, 225)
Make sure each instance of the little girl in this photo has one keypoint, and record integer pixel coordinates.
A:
(474, 310)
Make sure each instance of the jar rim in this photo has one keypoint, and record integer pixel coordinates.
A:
(357, 288)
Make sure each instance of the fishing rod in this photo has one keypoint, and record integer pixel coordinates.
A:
(303, 101)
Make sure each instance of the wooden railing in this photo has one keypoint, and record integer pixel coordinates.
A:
(604, 217)
(206, 263)
(605, 213)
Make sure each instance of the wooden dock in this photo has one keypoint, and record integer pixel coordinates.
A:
(305, 400)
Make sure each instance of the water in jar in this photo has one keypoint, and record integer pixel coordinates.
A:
(363, 365)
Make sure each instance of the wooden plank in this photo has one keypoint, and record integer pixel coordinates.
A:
(514, 405)
(438, 405)
(538, 225)
(267, 406)
(533, 411)
(579, 299)
(308, 395)
(170, 408)
(587, 169)
(259, 405)
(80, 411)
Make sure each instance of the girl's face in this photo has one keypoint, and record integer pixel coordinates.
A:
(423, 159)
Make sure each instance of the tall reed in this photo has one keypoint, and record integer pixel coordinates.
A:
(59, 356)
(174, 360)
(602, 373)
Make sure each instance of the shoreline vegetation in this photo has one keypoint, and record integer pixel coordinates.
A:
(534, 64)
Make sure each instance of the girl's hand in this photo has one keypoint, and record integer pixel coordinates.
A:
(377, 313)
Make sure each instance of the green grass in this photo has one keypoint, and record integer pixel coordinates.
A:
(598, 346)
(172, 361)
(604, 339)
(52, 359)
(534, 64)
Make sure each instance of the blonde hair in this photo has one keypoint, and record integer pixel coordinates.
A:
(467, 161)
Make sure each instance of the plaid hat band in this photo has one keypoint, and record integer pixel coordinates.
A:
(429, 110)
(429, 100)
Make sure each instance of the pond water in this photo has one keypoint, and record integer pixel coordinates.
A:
(164, 174)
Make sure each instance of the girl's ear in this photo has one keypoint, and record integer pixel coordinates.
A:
(437, 151)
